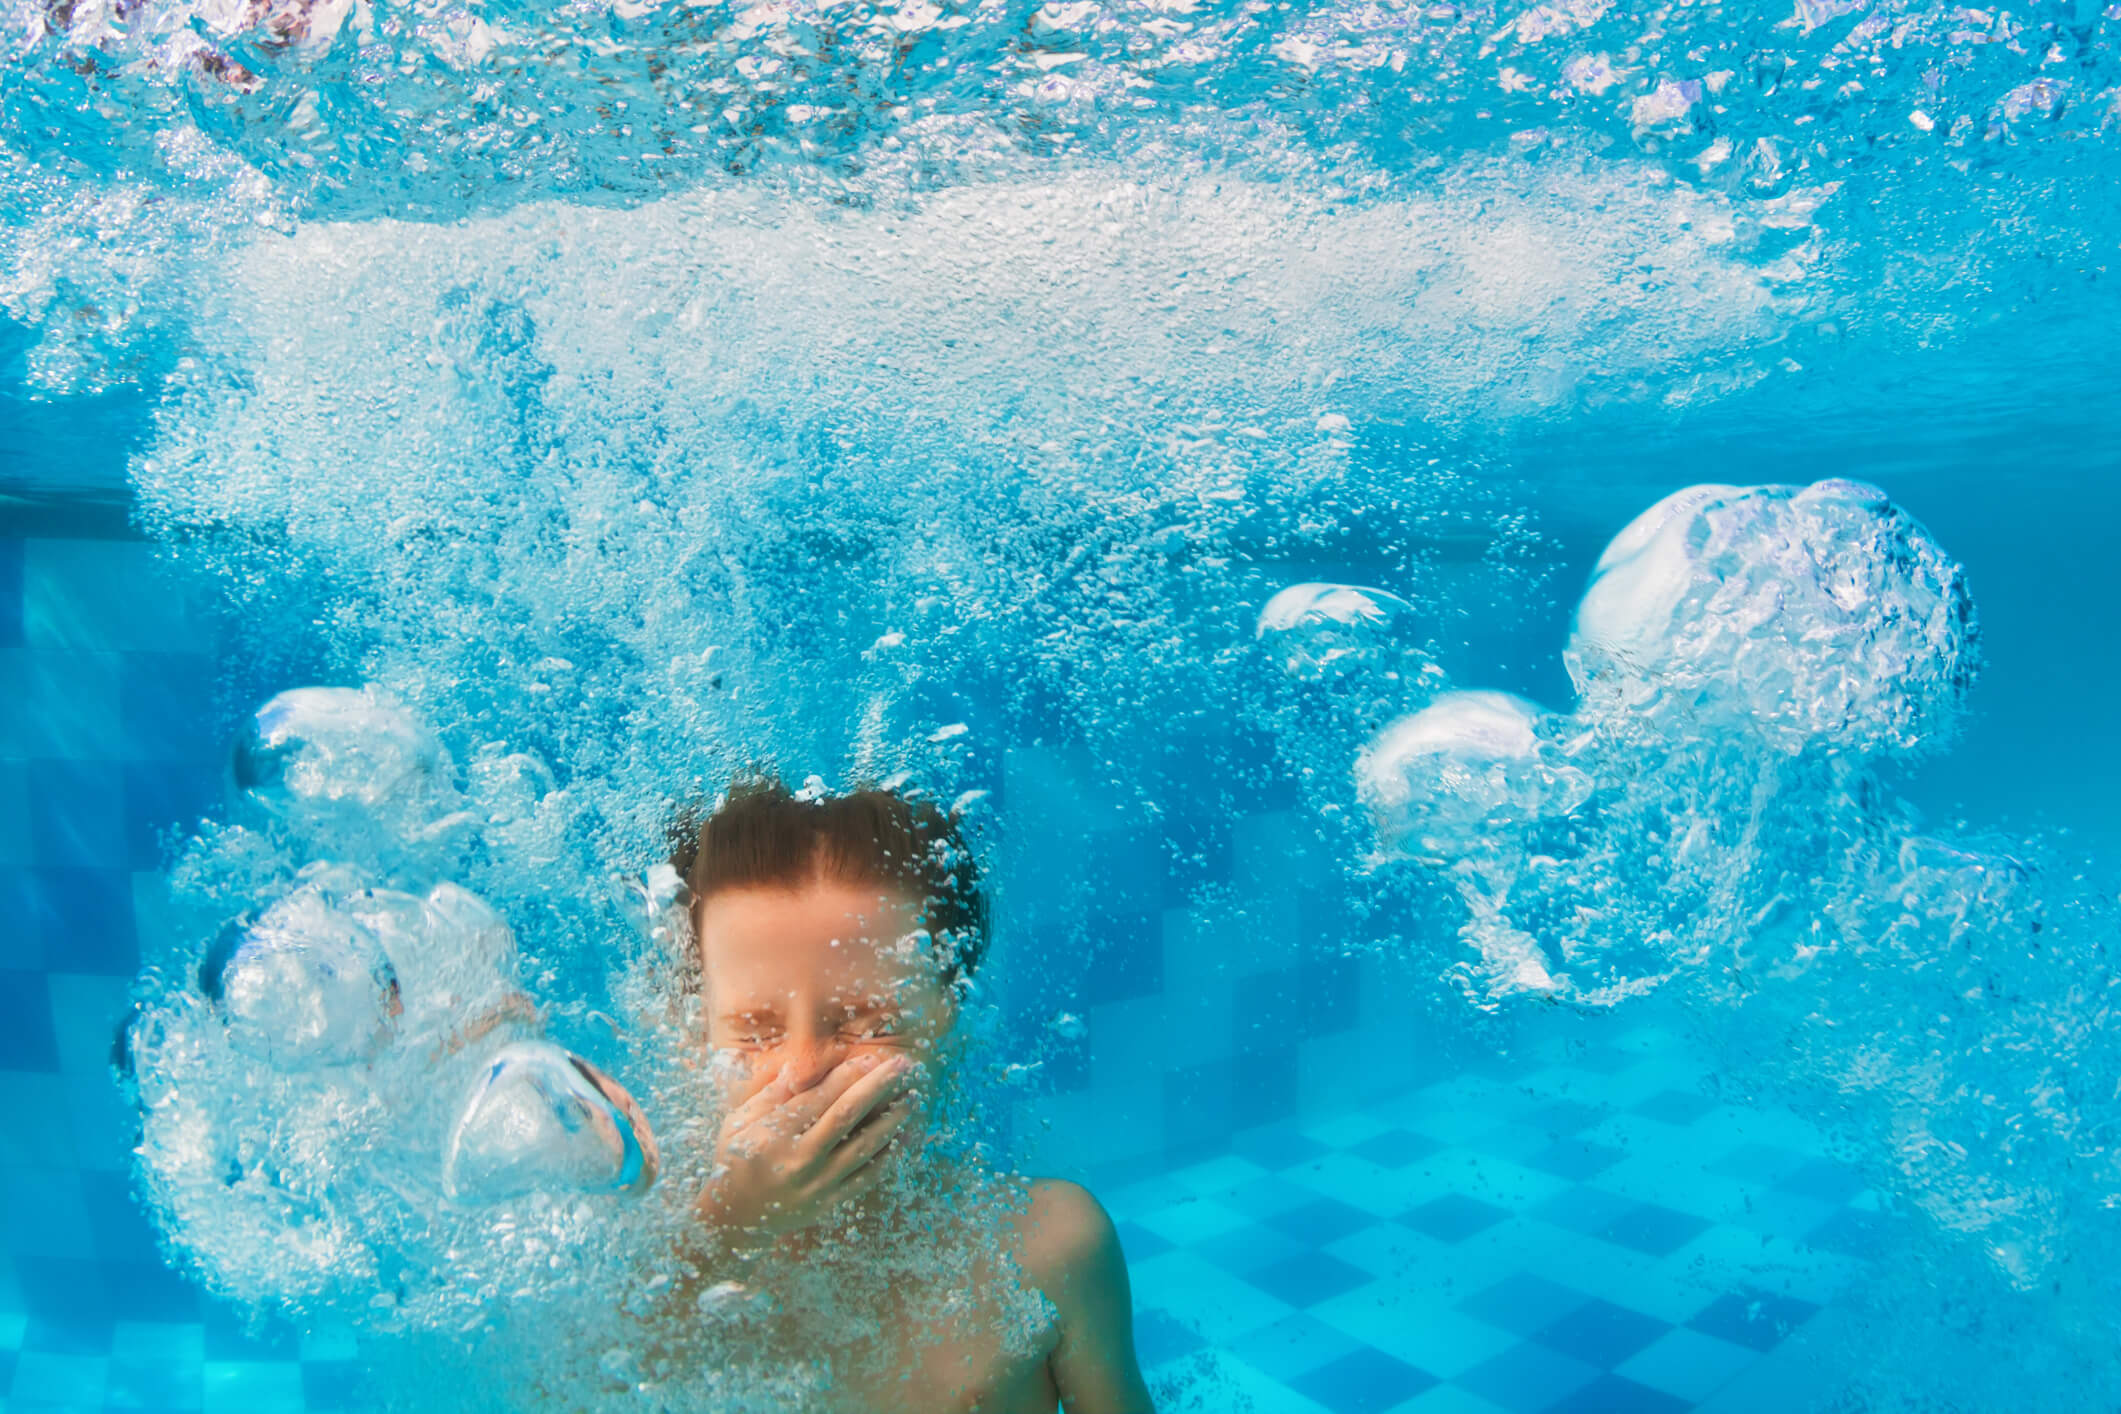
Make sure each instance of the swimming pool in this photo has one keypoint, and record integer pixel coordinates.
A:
(947, 393)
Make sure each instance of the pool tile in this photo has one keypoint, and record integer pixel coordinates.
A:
(1269, 1196)
(11, 555)
(1615, 1394)
(27, 1042)
(1321, 1221)
(1677, 1107)
(328, 1344)
(1760, 1320)
(1523, 1303)
(1565, 1117)
(233, 1342)
(153, 1382)
(65, 706)
(1454, 1217)
(1160, 1337)
(252, 1387)
(1395, 1148)
(1308, 1278)
(84, 918)
(1688, 1364)
(1495, 1179)
(1583, 1209)
(1276, 1147)
(1650, 1228)
(1359, 1183)
(105, 594)
(1249, 1249)
(1217, 1380)
(171, 1342)
(1412, 1327)
(166, 707)
(330, 1384)
(148, 1290)
(14, 832)
(1759, 1162)
(1192, 1221)
(1601, 1333)
(1449, 1399)
(1851, 1232)
(1527, 1378)
(1393, 1251)
(1792, 1217)
(87, 1336)
(1823, 1179)
(162, 797)
(1363, 1382)
(1217, 1177)
(75, 1381)
(77, 814)
(1294, 1346)
(1220, 1306)
(1576, 1159)
(1138, 1243)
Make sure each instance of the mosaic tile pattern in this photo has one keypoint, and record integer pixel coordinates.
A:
(1593, 1234)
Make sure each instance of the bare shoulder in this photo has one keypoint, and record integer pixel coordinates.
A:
(1064, 1233)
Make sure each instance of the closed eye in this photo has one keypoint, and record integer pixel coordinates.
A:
(750, 1030)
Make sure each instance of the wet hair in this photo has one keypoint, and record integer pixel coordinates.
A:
(762, 835)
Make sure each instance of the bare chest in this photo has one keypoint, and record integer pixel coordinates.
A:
(964, 1356)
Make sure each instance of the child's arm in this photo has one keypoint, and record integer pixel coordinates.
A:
(1072, 1253)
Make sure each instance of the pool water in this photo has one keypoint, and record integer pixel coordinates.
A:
(952, 392)
(1357, 1211)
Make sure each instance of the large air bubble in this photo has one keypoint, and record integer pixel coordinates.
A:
(542, 1120)
(1814, 616)
(1467, 774)
(334, 761)
(304, 985)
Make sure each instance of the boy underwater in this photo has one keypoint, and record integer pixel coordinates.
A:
(832, 934)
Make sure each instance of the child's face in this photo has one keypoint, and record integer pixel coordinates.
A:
(813, 976)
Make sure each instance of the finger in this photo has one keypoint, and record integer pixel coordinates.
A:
(860, 1178)
(801, 1112)
(865, 1143)
(765, 1101)
(853, 1107)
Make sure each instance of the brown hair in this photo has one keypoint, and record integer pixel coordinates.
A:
(762, 835)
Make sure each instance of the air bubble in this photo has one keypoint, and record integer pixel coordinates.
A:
(305, 985)
(1816, 616)
(319, 757)
(540, 1121)
(1466, 774)
(1326, 631)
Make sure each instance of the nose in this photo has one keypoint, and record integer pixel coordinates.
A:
(808, 1060)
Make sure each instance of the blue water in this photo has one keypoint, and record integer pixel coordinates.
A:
(652, 389)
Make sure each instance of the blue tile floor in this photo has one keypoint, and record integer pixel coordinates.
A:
(1589, 1233)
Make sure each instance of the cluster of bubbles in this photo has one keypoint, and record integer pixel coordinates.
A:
(637, 98)
(1835, 159)
(1725, 632)
(349, 1077)
(1711, 818)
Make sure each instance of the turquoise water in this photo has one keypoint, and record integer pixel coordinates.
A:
(631, 392)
